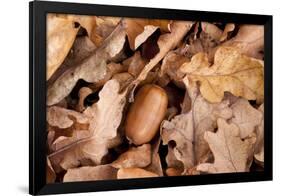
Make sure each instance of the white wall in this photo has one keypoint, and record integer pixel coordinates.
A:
(14, 96)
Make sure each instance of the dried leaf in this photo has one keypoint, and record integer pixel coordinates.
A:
(166, 42)
(67, 126)
(81, 49)
(50, 173)
(104, 26)
(61, 33)
(138, 30)
(101, 172)
(246, 117)
(127, 173)
(259, 147)
(135, 64)
(211, 30)
(180, 130)
(249, 40)
(134, 157)
(83, 93)
(229, 27)
(155, 165)
(106, 116)
(231, 71)
(230, 152)
(92, 69)
(171, 63)
(205, 117)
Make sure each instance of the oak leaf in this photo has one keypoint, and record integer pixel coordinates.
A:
(246, 117)
(231, 153)
(92, 69)
(127, 173)
(259, 147)
(249, 40)
(138, 30)
(135, 157)
(88, 173)
(106, 116)
(61, 33)
(166, 42)
(231, 71)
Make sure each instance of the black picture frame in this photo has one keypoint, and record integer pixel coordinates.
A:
(37, 97)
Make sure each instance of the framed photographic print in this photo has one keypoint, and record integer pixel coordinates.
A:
(131, 97)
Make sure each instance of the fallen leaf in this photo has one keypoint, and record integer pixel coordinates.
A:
(230, 152)
(104, 26)
(135, 64)
(135, 157)
(127, 173)
(92, 69)
(246, 117)
(249, 40)
(106, 116)
(67, 126)
(83, 93)
(166, 42)
(187, 130)
(211, 30)
(138, 30)
(88, 173)
(259, 147)
(229, 27)
(80, 50)
(171, 63)
(155, 165)
(61, 33)
(50, 173)
(231, 71)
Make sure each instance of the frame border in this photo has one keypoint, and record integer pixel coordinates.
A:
(37, 97)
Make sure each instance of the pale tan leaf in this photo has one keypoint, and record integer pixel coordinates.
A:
(106, 116)
(104, 26)
(50, 173)
(249, 40)
(138, 30)
(229, 27)
(212, 30)
(92, 69)
(87, 173)
(259, 147)
(127, 173)
(246, 117)
(83, 93)
(187, 130)
(230, 152)
(135, 157)
(166, 42)
(155, 165)
(61, 33)
(135, 64)
(232, 71)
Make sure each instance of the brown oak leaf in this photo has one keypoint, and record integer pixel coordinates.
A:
(138, 30)
(249, 40)
(166, 42)
(92, 69)
(88, 173)
(61, 33)
(127, 173)
(259, 147)
(135, 157)
(106, 116)
(246, 117)
(232, 71)
(231, 153)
